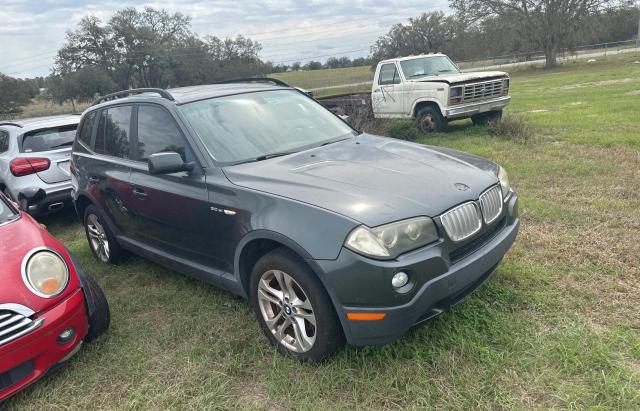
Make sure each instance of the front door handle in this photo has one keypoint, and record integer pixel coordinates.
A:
(94, 179)
(139, 193)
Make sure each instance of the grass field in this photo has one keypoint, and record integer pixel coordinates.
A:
(557, 326)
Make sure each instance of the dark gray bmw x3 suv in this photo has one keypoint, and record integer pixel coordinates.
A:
(332, 234)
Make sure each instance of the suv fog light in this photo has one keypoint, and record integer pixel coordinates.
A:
(66, 336)
(399, 280)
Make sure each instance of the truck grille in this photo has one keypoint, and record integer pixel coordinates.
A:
(482, 91)
(15, 322)
(491, 204)
(462, 221)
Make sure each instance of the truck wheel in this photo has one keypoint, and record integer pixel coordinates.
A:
(429, 120)
(486, 118)
(100, 319)
(293, 308)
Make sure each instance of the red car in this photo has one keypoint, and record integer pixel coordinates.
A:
(48, 305)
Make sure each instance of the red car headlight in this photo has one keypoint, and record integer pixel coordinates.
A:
(45, 273)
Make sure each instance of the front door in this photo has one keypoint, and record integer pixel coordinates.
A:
(386, 96)
(171, 210)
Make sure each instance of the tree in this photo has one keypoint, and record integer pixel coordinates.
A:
(548, 24)
(14, 94)
(82, 85)
(296, 66)
(430, 32)
(312, 65)
(153, 48)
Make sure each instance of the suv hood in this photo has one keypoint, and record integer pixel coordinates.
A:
(462, 77)
(373, 180)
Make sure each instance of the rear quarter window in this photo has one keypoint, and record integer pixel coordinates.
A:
(48, 139)
(86, 129)
(4, 141)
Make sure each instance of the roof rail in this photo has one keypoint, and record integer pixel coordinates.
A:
(255, 80)
(8, 123)
(125, 93)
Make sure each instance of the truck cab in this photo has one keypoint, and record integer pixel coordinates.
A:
(432, 90)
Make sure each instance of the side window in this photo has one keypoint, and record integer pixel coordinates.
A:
(158, 133)
(4, 141)
(84, 134)
(112, 137)
(389, 74)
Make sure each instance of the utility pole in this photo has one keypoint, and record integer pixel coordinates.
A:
(638, 36)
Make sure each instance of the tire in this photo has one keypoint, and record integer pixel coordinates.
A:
(101, 318)
(486, 118)
(307, 302)
(430, 120)
(102, 242)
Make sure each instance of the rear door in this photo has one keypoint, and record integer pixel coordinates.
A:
(171, 210)
(54, 144)
(108, 169)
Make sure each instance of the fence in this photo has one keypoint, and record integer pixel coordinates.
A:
(534, 57)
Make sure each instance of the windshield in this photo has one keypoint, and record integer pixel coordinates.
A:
(49, 139)
(245, 127)
(428, 66)
(6, 212)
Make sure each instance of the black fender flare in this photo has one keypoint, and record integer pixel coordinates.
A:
(87, 291)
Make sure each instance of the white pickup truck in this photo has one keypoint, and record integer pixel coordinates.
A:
(430, 89)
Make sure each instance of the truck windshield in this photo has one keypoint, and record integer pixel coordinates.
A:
(428, 66)
(256, 126)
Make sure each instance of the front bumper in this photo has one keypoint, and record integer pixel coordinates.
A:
(360, 285)
(25, 360)
(470, 109)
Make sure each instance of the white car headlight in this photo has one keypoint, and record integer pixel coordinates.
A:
(45, 273)
(504, 182)
(391, 240)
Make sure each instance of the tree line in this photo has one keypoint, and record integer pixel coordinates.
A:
(154, 48)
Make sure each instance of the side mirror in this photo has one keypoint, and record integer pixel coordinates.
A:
(167, 163)
(30, 196)
(347, 119)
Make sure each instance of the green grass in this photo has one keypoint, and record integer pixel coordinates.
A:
(556, 327)
(325, 78)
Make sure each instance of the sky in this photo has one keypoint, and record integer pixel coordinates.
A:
(33, 30)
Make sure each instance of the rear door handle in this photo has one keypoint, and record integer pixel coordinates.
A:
(139, 193)
(94, 179)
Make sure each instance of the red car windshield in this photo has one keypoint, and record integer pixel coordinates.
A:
(7, 213)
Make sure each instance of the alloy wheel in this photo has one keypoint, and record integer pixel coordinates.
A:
(287, 311)
(98, 238)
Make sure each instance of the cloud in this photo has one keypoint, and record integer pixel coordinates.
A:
(289, 30)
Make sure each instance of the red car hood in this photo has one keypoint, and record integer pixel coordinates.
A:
(16, 240)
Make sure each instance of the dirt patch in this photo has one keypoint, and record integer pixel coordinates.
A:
(633, 93)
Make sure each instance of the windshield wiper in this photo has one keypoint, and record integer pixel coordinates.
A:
(68, 143)
(266, 157)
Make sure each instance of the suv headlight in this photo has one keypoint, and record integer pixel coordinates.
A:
(45, 273)
(390, 240)
(504, 181)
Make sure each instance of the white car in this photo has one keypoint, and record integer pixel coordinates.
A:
(35, 153)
